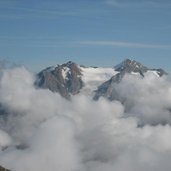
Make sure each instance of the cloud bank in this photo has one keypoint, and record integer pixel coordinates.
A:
(43, 131)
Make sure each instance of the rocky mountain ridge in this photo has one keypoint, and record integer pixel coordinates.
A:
(107, 89)
(67, 79)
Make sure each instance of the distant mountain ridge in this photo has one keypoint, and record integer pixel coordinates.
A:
(68, 79)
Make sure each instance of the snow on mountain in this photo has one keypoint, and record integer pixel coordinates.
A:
(65, 79)
(70, 78)
(93, 77)
(130, 66)
(65, 72)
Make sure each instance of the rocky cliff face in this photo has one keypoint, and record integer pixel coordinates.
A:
(65, 79)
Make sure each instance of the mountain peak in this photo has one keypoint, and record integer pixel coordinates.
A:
(69, 63)
(127, 60)
(128, 66)
(64, 78)
(107, 89)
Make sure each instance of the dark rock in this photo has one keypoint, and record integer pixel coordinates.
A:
(107, 89)
(53, 79)
(3, 169)
(128, 66)
(160, 72)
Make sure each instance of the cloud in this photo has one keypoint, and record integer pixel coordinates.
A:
(16, 12)
(51, 42)
(122, 44)
(143, 98)
(135, 3)
(47, 11)
(5, 140)
(125, 3)
(43, 131)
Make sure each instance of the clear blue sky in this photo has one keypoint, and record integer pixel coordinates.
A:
(39, 33)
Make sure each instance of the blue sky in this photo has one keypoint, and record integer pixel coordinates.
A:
(39, 33)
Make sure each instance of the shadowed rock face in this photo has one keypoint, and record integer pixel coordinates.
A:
(107, 89)
(3, 169)
(160, 72)
(65, 79)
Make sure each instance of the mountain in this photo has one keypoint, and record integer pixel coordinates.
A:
(70, 78)
(128, 66)
(65, 79)
(107, 89)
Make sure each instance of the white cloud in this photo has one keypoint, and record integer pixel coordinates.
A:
(82, 134)
(123, 44)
